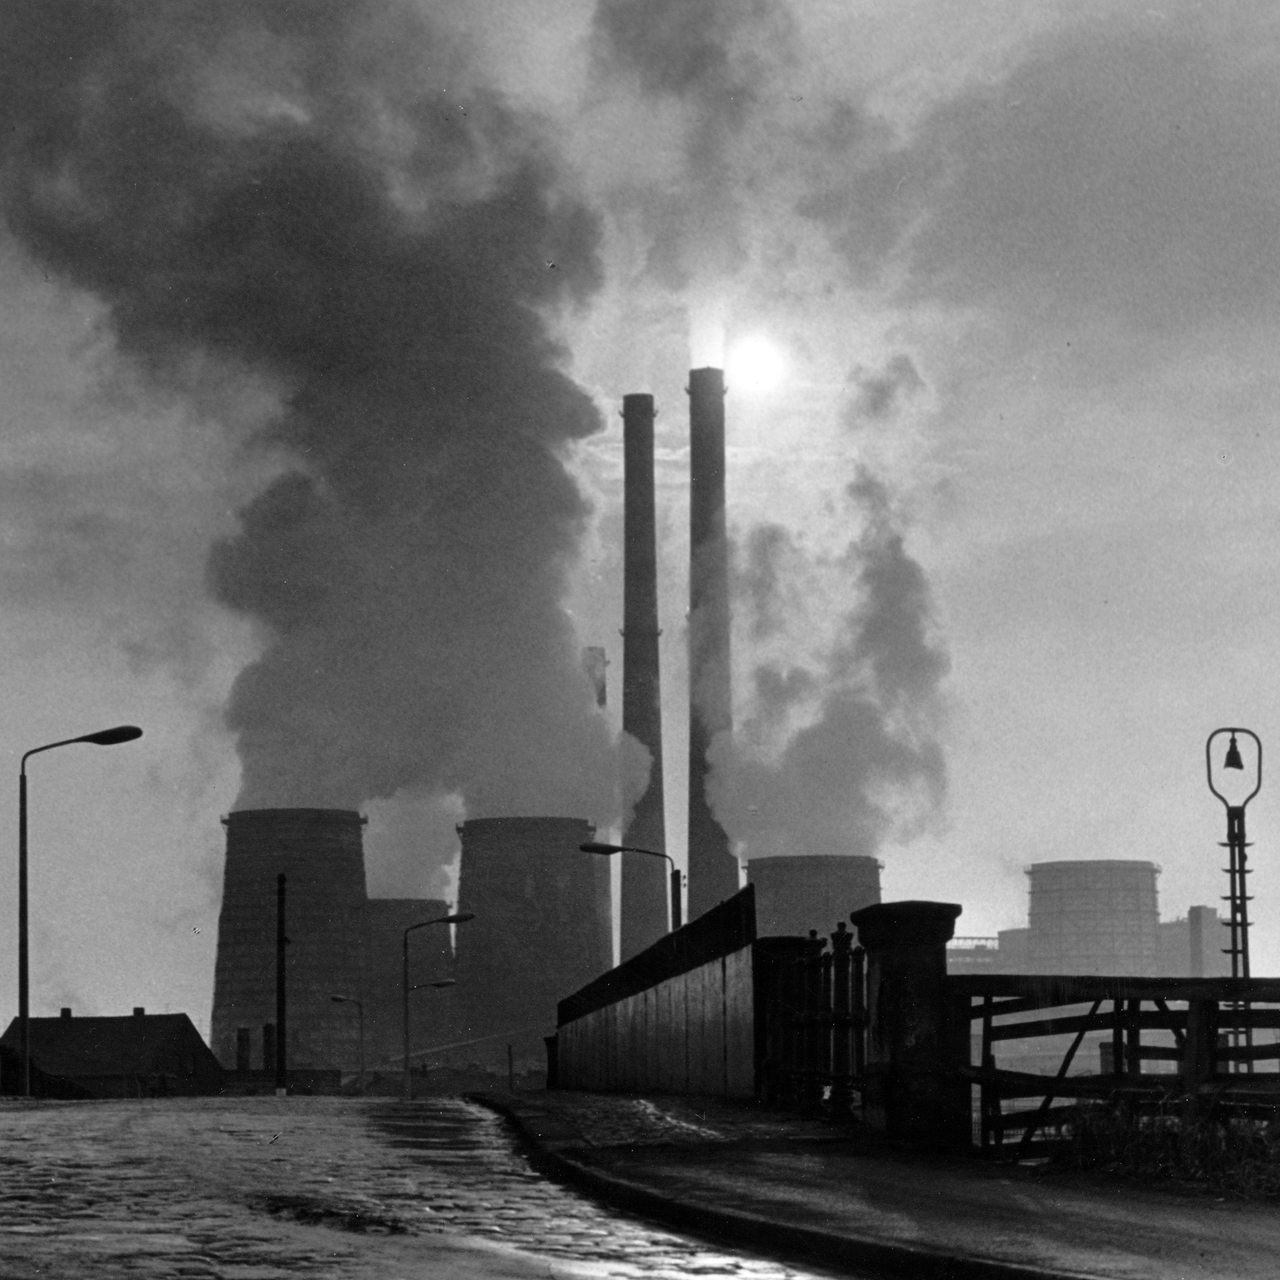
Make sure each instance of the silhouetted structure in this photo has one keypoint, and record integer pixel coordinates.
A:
(1094, 916)
(320, 853)
(796, 894)
(430, 960)
(144, 1055)
(713, 870)
(644, 892)
(537, 932)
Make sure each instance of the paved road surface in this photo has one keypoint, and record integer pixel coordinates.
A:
(268, 1188)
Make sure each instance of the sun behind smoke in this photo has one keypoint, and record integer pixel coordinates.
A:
(755, 365)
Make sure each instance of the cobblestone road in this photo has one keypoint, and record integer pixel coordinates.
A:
(267, 1188)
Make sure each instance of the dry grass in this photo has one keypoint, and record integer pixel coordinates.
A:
(1238, 1156)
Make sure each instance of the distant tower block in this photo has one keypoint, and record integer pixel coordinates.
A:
(1094, 917)
(645, 881)
(536, 937)
(796, 894)
(320, 853)
(713, 870)
(430, 960)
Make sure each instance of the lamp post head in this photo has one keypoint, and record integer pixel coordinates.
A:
(109, 737)
(1234, 760)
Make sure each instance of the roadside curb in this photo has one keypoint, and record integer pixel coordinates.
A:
(550, 1140)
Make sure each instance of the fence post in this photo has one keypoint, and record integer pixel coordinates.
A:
(913, 1087)
(1198, 1053)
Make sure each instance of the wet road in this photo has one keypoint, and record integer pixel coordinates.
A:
(475, 1181)
(270, 1188)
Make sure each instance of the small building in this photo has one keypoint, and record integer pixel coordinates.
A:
(144, 1055)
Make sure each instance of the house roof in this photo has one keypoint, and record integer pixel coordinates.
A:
(138, 1044)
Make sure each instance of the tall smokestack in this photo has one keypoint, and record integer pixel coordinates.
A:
(713, 870)
(643, 906)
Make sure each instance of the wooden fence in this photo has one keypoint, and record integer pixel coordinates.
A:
(880, 1030)
(1182, 1046)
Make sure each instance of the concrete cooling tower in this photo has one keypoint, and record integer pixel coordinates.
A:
(540, 931)
(1094, 917)
(796, 894)
(320, 854)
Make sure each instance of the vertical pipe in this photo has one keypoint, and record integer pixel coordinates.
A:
(407, 1084)
(281, 1025)
(713, 870)
(643, 894)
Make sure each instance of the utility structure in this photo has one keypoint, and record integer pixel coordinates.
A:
(598, 846)
(102, 738)
(713, 870)
(1235, 843)
(1235, 799)
(642, 906)
(460, 917)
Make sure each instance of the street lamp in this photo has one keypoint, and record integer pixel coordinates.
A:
(595, 846)
(1235, 841)
(459, 918)
(359, 1004)
(1237, 870)
(103, 738)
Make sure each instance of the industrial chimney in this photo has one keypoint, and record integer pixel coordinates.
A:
(644, 896)
(713, 870)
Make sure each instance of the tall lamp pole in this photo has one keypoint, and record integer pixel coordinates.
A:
(1236, 844)
(103, 738)
(596, 846)
(458, 918)
(359, 1004)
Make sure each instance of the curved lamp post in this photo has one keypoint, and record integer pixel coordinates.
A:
(359, 1004)
(596, 846)
(1235, 841)
(1237, 870)
(458, 918)
(103, 738)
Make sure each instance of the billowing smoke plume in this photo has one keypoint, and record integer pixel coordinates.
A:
(319, 197)
(842, 748)
(838, 707)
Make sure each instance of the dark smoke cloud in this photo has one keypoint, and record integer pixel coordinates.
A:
(285, 189)
(840, 755)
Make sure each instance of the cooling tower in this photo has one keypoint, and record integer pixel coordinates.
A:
(536, 936)
(713, 870)
(1096, 917)
(794, 895)
(320, 853)
(430, 960)
(645, 883)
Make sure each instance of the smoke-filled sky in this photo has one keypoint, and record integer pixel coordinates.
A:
(318, 318)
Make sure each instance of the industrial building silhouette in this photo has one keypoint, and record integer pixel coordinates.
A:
(542, 927)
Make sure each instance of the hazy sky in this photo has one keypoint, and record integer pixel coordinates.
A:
(318, 320)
